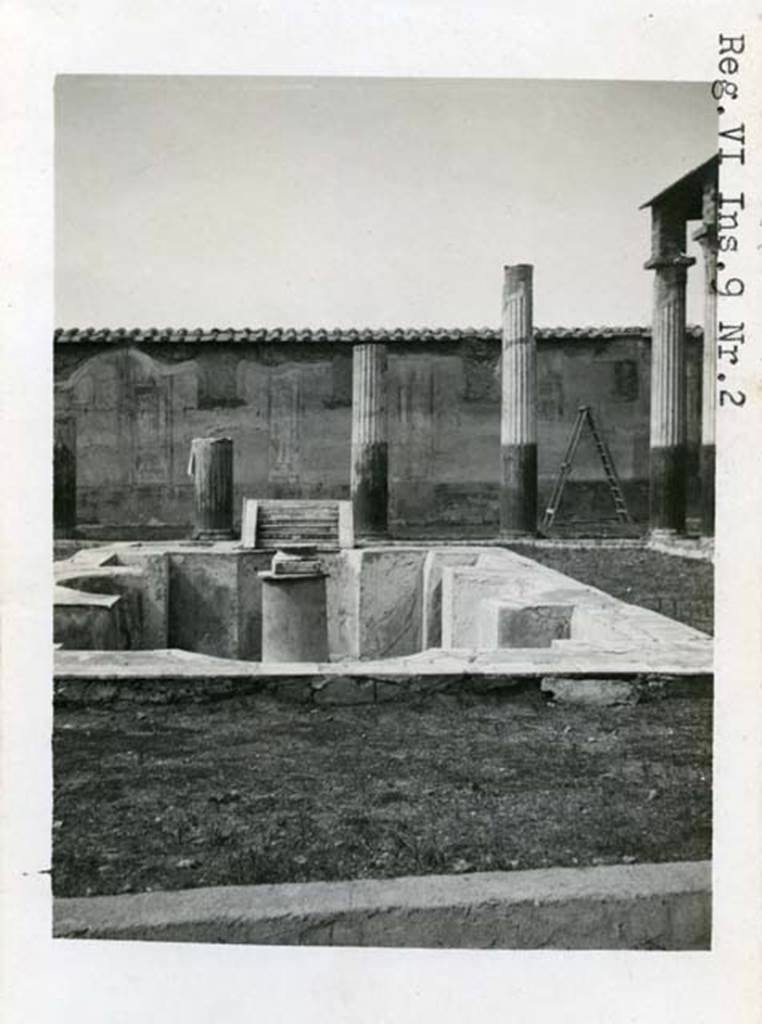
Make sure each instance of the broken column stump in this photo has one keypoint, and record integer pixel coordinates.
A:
(211, 466)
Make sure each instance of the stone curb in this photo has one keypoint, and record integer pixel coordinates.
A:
(639, 906)
(701, 550)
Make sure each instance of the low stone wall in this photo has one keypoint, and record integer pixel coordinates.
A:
(639, 906)
(87, 678)
(208, 598)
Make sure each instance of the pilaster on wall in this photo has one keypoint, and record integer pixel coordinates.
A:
(518, 420)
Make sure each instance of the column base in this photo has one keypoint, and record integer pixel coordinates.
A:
(65, 533)
(518, 491)
(707, 489)
(511, 535)
(212, 535)
(667, 499)
(370, 490)
(664, 536)
(369, 539)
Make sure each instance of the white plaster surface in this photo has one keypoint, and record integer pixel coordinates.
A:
(598, 619)
(390, 613)
(434, 563)
(685, 659)
(383, 603)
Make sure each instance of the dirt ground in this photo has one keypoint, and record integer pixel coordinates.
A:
(251, 790)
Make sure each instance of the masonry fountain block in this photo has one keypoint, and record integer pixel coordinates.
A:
(503, 623)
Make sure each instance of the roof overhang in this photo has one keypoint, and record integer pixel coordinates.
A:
(687, 192)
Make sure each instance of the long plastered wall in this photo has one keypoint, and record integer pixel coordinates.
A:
(131, 411)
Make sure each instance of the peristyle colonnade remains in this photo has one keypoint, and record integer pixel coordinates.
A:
(692, 197)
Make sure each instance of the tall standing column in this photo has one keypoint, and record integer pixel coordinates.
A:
(707, 236)
(211, 466)
(668, 410)
(370, 457)
(518, 421)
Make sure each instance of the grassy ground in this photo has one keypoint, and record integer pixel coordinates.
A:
(250, 790)
(255, 791)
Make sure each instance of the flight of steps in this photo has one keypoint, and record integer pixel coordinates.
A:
(270, 523)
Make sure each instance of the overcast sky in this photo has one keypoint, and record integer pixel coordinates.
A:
(210, 201)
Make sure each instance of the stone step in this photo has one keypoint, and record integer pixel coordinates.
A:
(273, 521)
(307, 518)
(290, 530)
(287, 504)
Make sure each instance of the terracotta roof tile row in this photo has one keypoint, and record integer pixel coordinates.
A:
(140, 335)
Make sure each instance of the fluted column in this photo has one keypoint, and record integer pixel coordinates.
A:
(668, 410)
(707, 236)
(211, 466)
(370, 458)
(518, 420)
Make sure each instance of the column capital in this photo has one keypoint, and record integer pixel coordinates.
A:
(706, 236)
(679, 263)
(518, 271)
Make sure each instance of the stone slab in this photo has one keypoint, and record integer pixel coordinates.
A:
(69, 597)
(80, 623)
(216, 601)
(504, 623)
(140, 590)
(203, 609)
(433, 565)
(294, 626)
(701, 548)
(591, 692)
(155, 595)
(390, 601)
(342, 588)
(639, 906)
(689, 660)
(375, 601)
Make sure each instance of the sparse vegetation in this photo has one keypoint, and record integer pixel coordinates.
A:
(253, 791)
(250, 790)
